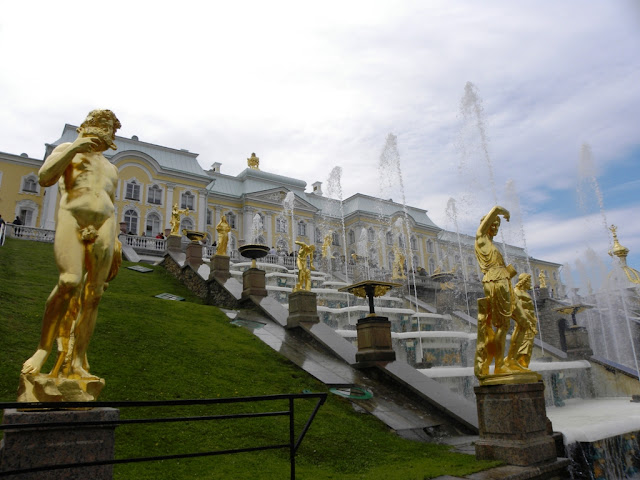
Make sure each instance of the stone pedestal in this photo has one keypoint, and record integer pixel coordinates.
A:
(513, 424)
(220, 267)
(253, 283)
(194, 255)
(43, 445)
(174, 242)
(577, 342)
(542, 293)
(303, 307)
(374, 340)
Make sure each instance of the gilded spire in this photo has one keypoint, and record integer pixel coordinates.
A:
(618, 250)
(621, 252)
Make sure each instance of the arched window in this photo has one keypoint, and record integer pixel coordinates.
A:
(335, 240)
(389, 238)
(187, 200)
(153, 225)
(302, 229)
(187, 223)
(30, 185)
(131, 219)
(281, 225)
(371, 234)
(231, 219)
(429, 246)
(414, 243)
(432, 266)
(154, 195)
(390, 258)
(132, 191)
(209, 216)
(415, 262)
(352, 237)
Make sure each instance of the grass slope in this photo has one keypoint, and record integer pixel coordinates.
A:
(152, 349)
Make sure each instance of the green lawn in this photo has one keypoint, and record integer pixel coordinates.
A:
(152, 349)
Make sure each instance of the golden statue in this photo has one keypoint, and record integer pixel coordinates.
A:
(253, 162)
(304, 273)
(223, 230)
(524, 333)
(86, 248)
(175, 219)
(542, 279)
(398, 263)
(326, 245)
(497, 308)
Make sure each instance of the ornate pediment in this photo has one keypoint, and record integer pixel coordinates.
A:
(276, 197)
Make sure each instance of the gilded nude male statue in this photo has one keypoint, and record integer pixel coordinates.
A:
(86, 247)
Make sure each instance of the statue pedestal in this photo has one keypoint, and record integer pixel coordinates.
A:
(174, 243)
(60, 445)
(220, 267)
(253, 283)
(513, 424)
(303, 307)
(194, 255)
(577, 342)
(374, 340)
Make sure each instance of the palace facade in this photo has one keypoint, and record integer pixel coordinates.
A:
(260, 207)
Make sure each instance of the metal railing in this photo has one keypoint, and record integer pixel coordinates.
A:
(292, 444)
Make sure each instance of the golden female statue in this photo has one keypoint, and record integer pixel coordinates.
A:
(175, 219)
(524, 333)
(86, 247)
(304, 272)
(496, 308)
(223, 230)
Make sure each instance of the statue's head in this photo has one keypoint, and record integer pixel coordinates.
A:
(524, 281)
(102, 124)
(493, 228)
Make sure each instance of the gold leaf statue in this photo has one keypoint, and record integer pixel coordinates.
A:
(88, 255)
(304, 272)
(497, 308)
(525, 331)
(326, 245)
(223, 230)
(175, 219)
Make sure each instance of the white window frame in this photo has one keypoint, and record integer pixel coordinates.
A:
(157, 190)
(135, 190)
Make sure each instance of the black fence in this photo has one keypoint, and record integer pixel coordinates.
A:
(292, 443)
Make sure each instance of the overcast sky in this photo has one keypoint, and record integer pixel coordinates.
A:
(312, 86)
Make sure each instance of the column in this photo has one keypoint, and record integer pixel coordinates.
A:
(47, 219)
(168, 205)
(202, 211)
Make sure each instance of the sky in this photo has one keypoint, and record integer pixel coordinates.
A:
(533, 105)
